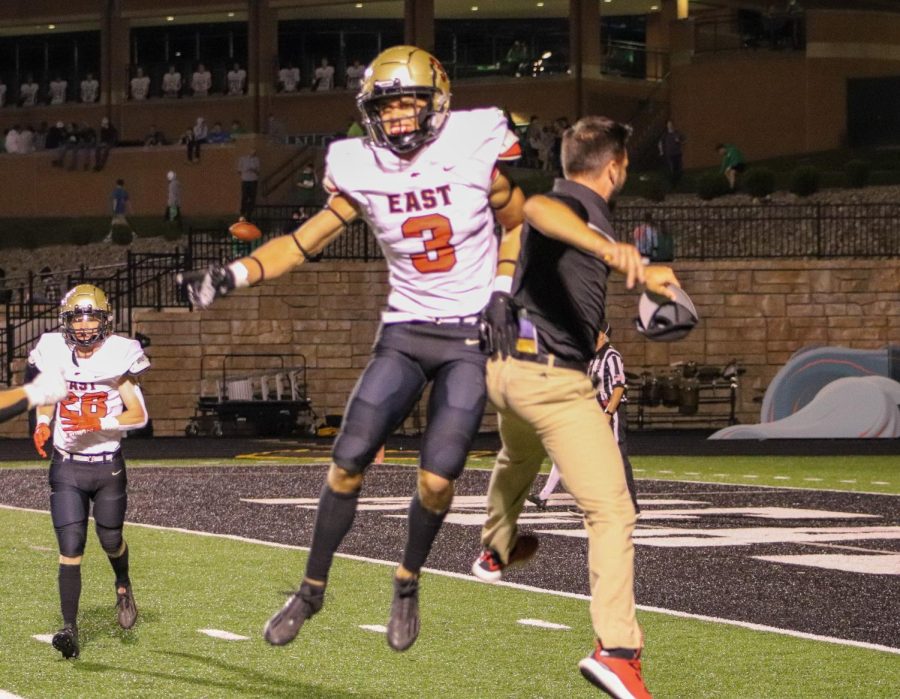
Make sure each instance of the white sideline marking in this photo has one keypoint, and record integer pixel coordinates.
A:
(377, 628)
(224, 635)
(782, 478)
(853, 480)
(692, 473)
(515, 586)
(41, 548)
(880, 483)
(812, 479)
(8, 695)
(872, 564)
(750, 475)
(662, 471)
(544, 624)
(43, 638)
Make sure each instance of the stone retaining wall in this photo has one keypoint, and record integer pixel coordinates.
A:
(759, 312)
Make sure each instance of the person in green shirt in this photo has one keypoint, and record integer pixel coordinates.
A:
(733, 163)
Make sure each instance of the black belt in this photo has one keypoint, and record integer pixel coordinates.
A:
(104, 457)
(551, 360)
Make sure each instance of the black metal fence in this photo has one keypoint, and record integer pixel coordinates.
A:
(709, 232)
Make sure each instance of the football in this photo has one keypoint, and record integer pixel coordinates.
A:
(244, 230)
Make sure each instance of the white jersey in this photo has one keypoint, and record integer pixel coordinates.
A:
(140, 87)
(289, 78)
(93, 386)
(171, 83)
(236, 79)
(200, 83)
(89, 90)
(431, 215)
(58, 91)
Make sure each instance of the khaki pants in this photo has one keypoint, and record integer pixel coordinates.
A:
(545, 410)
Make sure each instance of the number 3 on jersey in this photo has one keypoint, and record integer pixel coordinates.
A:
(92, 404)
(439, 255)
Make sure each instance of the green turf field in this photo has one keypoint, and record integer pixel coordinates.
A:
(471, 644)
(873, 474)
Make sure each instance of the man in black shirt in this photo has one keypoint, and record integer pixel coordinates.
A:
(546, 403)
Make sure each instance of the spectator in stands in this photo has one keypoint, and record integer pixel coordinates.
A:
(140, 85)
(171, 83)
(217, 134)
(50, 285)
(306, 183)
(201, 81)
(11, 140)
(56, 136)
(288, 78)
(324, 77)
(646, 236)
(121, 207)
(90, 89)
(733, 163)
(545, 148)
(173, 199)
(40, 136)
(198, 136)
(26, 140)
(2, 93)
(236, 129)
(154, 137)
(69, 144)
(28, 92)
(515, 57)
(87, 143)
(533, 135)
(355, 75)
(248, 167)
(237, 80)
(671, 148)
(57, 90)
(109, 138)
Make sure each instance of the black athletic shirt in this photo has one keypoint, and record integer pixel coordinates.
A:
(562, 288)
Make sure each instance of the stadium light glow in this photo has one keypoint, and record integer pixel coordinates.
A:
(231, 14)
(170, 18)
(51, 26)
(359, 6)
(474, 8)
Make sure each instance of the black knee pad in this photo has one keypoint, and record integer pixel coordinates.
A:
(71, 539)
(110, 539)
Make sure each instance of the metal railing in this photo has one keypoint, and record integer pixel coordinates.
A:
(749, 29)
(764, 231)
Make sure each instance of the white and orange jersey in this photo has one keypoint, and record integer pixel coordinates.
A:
(431, 214)
(93, 386)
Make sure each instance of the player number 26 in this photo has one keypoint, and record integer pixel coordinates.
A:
(93, 404)
(439, 255)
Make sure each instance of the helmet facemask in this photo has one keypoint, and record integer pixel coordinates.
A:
(429, 119)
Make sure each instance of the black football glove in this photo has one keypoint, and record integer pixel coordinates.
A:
(204, 285)
(499, 324)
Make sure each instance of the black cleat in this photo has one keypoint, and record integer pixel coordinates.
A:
(537, 502)
(126, 609)
(403, 627)
(282, 628)
(66, 641)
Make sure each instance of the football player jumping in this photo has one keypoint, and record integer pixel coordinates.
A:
(102, 401)
(427, 182)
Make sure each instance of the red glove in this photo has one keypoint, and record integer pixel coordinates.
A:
(81, 423)
(41, 435)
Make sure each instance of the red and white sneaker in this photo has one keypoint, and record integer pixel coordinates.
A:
(616, 674)
(489, 568)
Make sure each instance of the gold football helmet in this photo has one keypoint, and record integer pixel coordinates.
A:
(82, 303)
(397, 72)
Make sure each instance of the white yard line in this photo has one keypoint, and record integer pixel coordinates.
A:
(8, 695)
(223, 635)
(515, 586)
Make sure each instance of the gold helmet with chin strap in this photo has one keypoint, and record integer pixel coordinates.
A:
(400, 71)
(85, 302)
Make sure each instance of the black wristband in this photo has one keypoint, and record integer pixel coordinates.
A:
(302, 250)
(262, 272)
